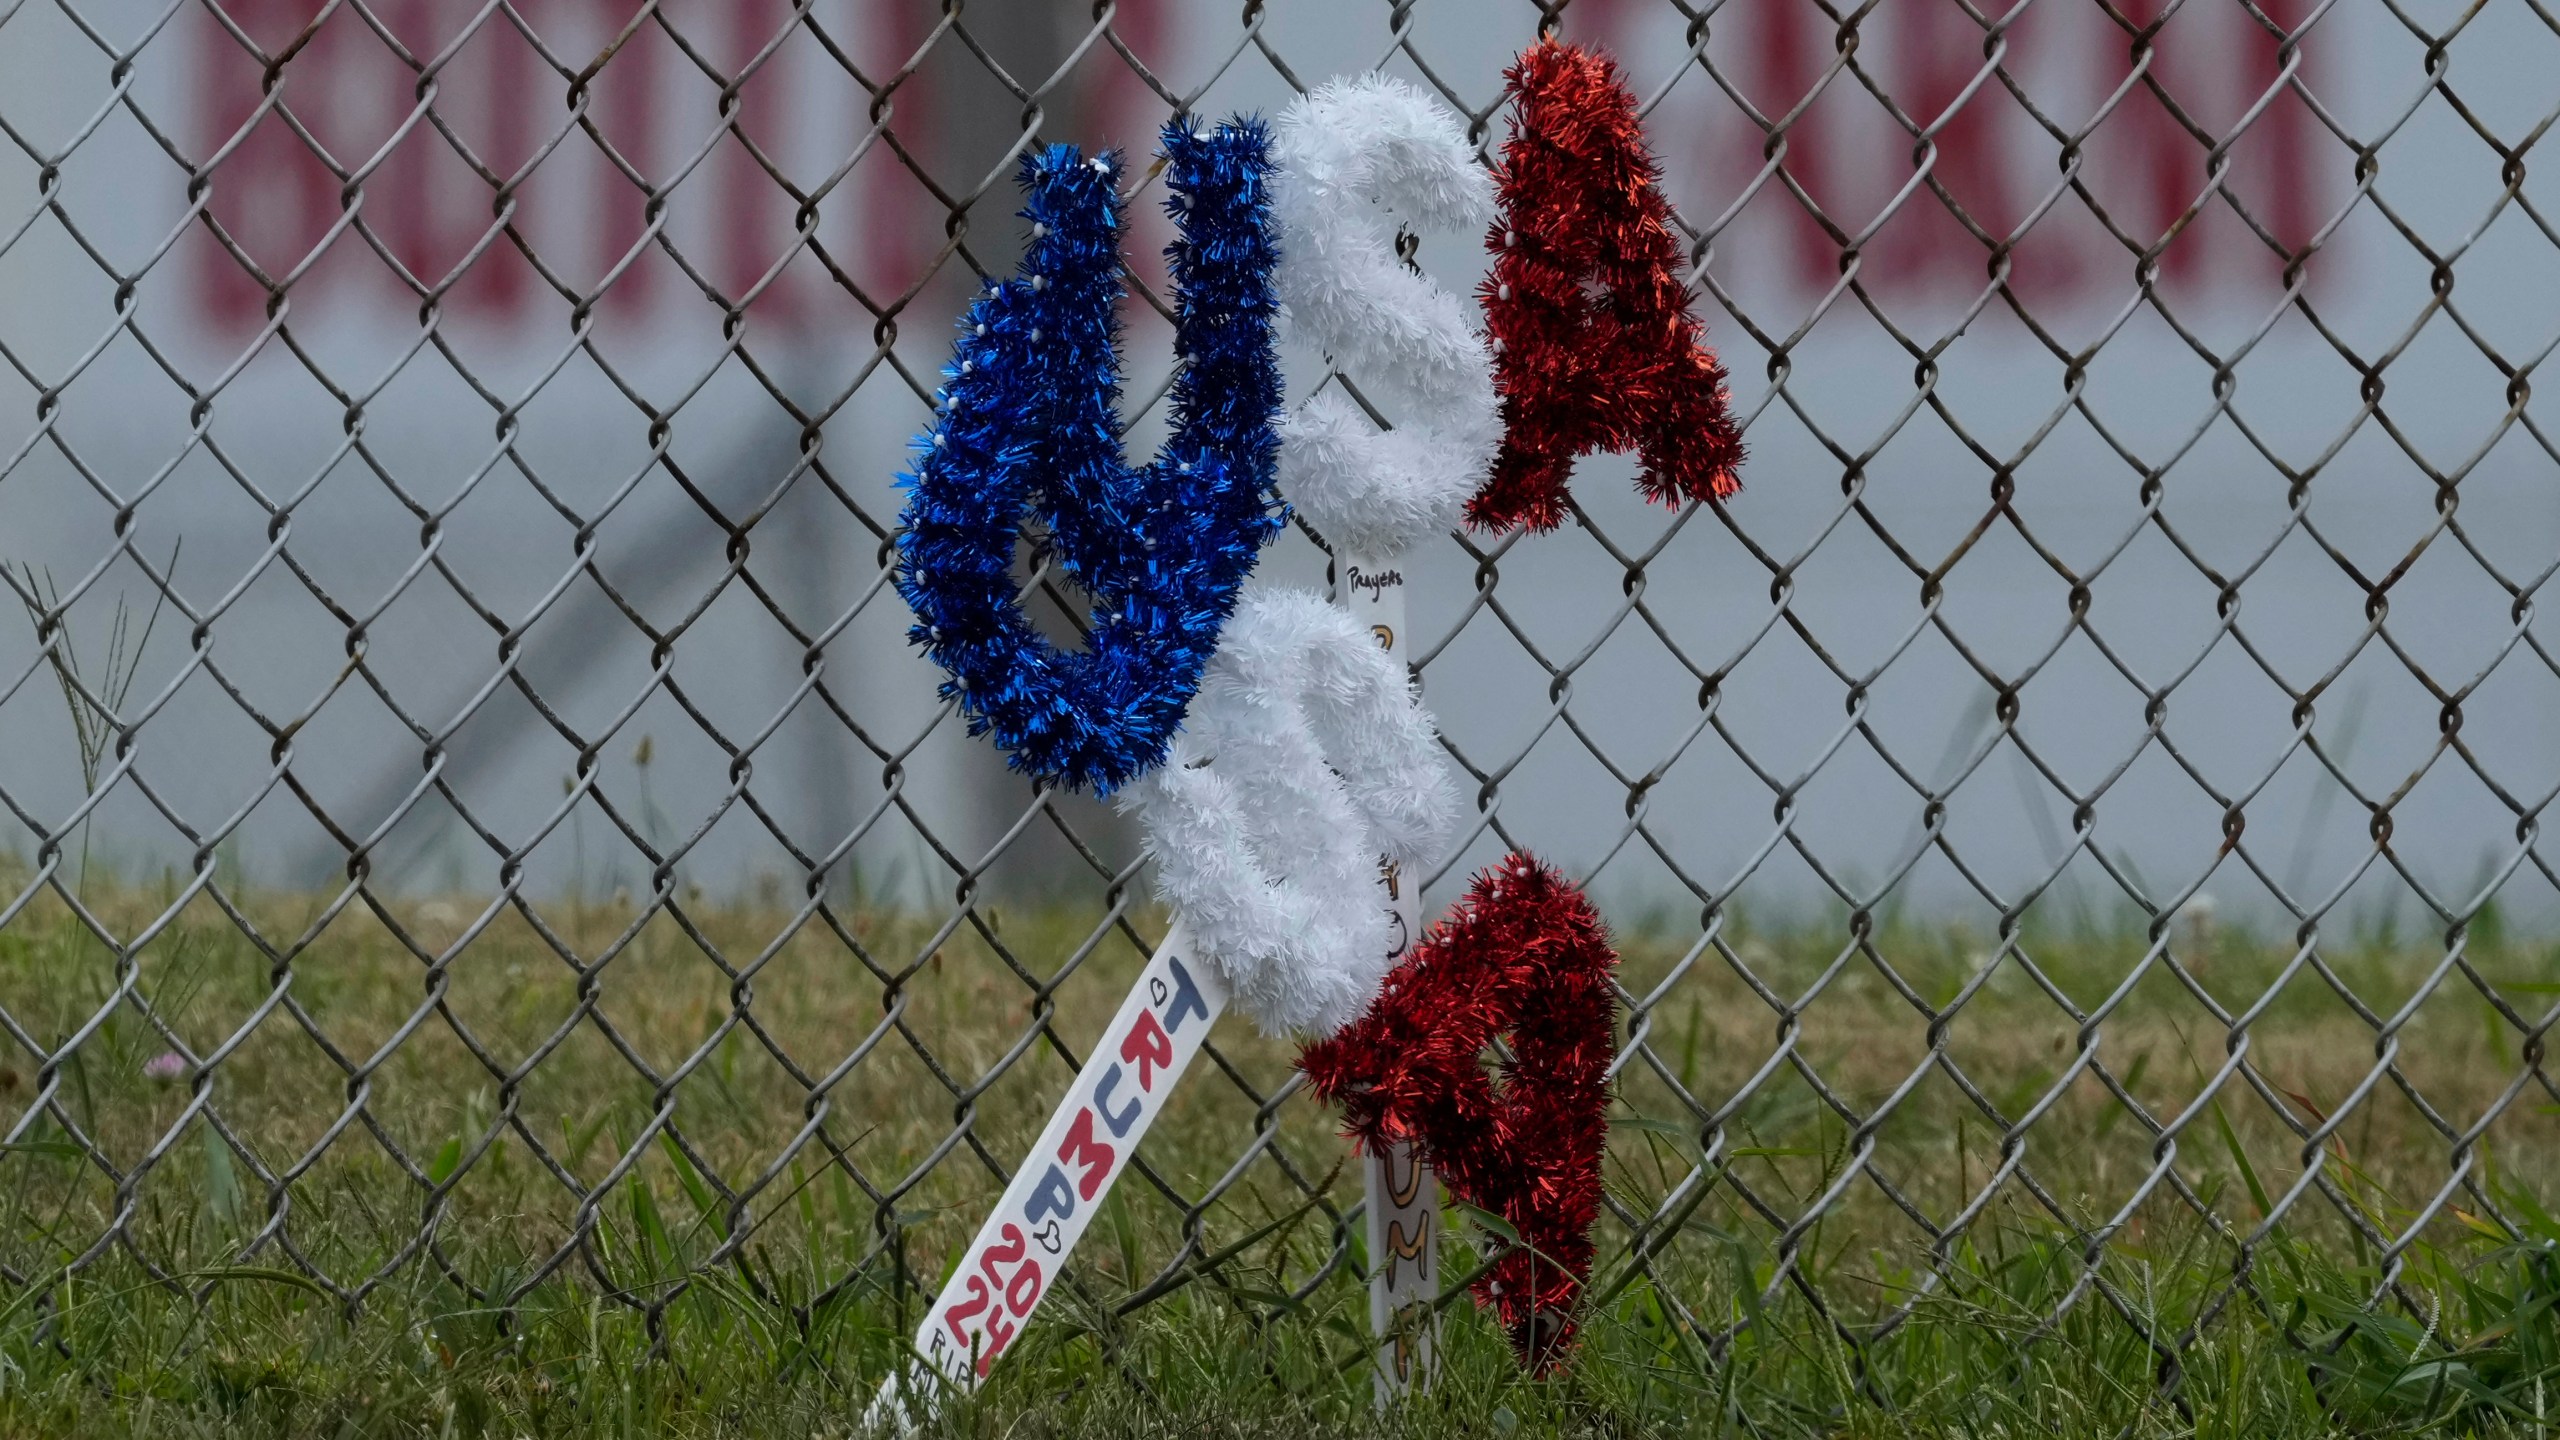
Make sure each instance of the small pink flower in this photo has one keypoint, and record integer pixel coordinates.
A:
(165, 1067)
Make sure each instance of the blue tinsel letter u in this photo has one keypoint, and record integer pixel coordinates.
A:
(1030, 426)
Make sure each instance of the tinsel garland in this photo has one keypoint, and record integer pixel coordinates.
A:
(1354, 156)
(1305, 758)
(1030, 426)
(1623, 369)
(1525, 954)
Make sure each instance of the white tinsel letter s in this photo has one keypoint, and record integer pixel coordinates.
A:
(1303, 759)
(1347, 154)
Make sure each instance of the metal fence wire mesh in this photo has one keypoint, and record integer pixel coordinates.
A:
(2059, 332)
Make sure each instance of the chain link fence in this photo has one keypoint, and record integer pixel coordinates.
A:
(1944, 790)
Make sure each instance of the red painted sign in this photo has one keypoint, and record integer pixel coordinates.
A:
(331, 174)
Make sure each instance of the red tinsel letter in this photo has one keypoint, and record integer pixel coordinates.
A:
(1524, 953)
(1578, 371)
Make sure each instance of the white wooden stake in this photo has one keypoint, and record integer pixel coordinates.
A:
(1094, 1133)
(1089, 1141)
(1403, 1209)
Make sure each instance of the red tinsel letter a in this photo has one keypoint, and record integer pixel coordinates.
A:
(1578, 371)
(1524, 953)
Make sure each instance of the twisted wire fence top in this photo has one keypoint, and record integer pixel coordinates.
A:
(448, 480)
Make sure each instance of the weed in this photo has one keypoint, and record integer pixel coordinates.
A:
(509, 1222)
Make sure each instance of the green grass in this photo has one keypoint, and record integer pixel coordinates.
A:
(582, 1277)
